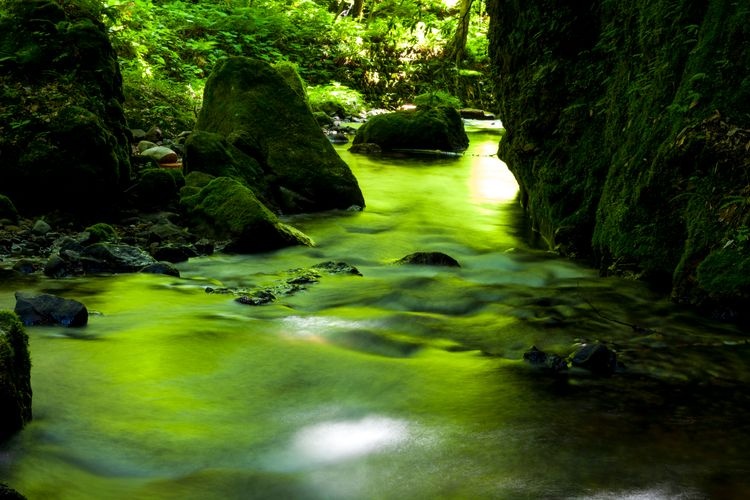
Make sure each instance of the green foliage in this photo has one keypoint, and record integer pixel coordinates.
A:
(168, 48)
(437, 98)
(335, 99)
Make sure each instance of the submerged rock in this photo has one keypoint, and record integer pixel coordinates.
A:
(15, 377)
(48, 309)
(439, 128)
(541, 359)
(596, 358)
(429, 259)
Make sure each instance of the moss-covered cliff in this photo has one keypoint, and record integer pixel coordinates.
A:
(628, 128)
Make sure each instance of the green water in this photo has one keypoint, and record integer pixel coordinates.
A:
(406, 382)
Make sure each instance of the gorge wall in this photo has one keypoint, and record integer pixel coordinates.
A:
(628, 129)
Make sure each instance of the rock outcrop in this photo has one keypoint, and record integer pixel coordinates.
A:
(15, 375)
(62, 129)
(255, 127)
(628, 127)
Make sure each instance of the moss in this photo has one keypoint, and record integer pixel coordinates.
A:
(289, 73)
(249, 103)
(154, 188)
(226, 209)
(437, 98)
(725, 273)
(101, 232)
(7, 209)
(437, 128)
(613, 131)
(15, 375)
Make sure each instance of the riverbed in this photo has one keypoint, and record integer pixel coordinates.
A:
(404, 382)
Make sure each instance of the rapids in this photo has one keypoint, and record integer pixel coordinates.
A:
(406, 382)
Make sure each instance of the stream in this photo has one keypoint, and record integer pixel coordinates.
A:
(406, 382)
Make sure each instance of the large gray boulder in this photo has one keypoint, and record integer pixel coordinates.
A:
(285, 157)
(15, 375)
(48, 309)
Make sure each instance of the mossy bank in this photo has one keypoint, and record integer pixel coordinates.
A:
(627, 129)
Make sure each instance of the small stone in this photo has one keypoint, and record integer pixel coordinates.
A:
(41, 228)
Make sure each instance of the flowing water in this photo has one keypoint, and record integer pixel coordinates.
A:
(406, 382)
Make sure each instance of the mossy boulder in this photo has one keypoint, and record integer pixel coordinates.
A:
(156, 188)
(253, 107)
(62, 127)
(432, 128)
(8, 209)
(225, 209)
(101, 232)
(15, 375)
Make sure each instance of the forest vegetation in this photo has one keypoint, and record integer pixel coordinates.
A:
(352, 56)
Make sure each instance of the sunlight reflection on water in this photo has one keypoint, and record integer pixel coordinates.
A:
(336, 441)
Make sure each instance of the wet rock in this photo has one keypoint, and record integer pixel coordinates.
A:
(174, 253)
(8, 211)
(114, 258)
(7, 493)
(366, 148)
(160, 154)
(47, 309)
(475, 114)
(25, 266)
(146, 145)
(596, 358)
(41, 228)
(331, 267)
(429, 259)
(15, 379)
(259, 298)
(546, 361)
(162, 268)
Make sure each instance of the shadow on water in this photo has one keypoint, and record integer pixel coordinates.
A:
(405, 382)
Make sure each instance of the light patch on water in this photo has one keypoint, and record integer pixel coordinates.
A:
(330, 442)
(656, 493)
(491, 181)
(314, 326)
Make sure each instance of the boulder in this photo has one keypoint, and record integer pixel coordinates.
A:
(429, 259)
(61, 88)
(427, 128)
(15, 376)
(154, 188)
(596, 358)
(166, 268)
(226, 209)
(8, 493)
(252, 106)
(47, 309)
(8, 211)
(107, 257)
(160, 154)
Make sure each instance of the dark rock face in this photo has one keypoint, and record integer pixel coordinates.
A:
(429, 259)
(272, 140)
(631, 147)
(47, 309)
(15, 376)
(439, 128)
(596, 358)
(61, 89)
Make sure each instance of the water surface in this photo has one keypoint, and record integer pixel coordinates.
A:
(406, 382)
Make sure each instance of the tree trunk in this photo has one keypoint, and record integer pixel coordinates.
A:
(457, 47)
(357, 9)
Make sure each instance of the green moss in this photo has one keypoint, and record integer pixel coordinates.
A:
(101, 232)
(155, 188)
(226, 209)
(726, 272)
(437, 128)
(437, 98)
(7, 209)
(289, 73)
(15, 375)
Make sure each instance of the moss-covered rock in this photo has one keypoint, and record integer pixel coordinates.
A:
(626, 129)
(15, 375)
(8, 209)
(251, 105)
(156, 188)
(434, 128)
(62, 128)
(101, 232)
(225, 209)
